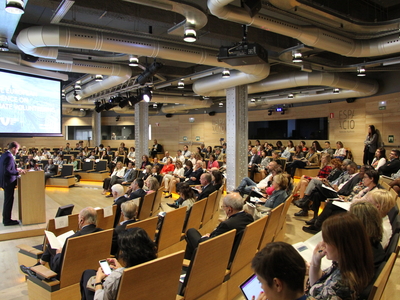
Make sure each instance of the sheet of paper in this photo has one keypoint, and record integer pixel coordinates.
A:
(54, 243)
(62, 237)
(61, 222)
(328, 188)
(344, 205)
(108, 211)
(307, 247)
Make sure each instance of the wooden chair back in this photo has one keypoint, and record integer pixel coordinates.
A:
(195, 215)
(51, 226)
(146, 205)
(394, 195)
(82, 253)
(381, 281)
(280, 230)
(157, 201)
(205, 273)
(149, 225)
(105, 222)
(209, 209)
(140, 280)
(384, 185)
(271, 226)
(171, 229)
(218, 200)
(248, 245)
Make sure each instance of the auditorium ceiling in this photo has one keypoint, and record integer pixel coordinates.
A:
(333, 41)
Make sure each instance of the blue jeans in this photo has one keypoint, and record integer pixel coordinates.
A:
(245, 186)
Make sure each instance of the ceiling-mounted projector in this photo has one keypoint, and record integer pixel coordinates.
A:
(243, 54)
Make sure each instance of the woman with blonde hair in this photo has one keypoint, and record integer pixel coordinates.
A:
(152, 185)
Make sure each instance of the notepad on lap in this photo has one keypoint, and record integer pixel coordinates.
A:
(307, 247)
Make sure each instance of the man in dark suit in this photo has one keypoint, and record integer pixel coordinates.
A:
(392, 165)
(194, 178)
(237, 219)
(206, 186)
(8, 181)
(255, 159)
(129, 175)
(129, 211)
(156, 148)
(86, 223)
(136, 189)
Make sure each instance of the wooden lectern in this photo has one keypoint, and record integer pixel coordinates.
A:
(31, 198)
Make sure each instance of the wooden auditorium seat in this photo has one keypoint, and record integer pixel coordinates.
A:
(149, 225)
(271, 227)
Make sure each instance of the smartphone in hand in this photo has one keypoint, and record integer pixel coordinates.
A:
(105, 266)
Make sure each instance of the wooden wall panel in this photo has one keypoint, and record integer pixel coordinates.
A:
(349, 125)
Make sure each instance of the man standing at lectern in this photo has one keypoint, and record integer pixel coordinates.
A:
(8, 181)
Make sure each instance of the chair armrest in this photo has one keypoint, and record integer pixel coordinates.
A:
(90, 171)
(43, 272)
(55, 176)
(29, 249)
(69, 176)
(104, 171)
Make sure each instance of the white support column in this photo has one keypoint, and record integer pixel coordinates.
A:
(141, 131)
(96, 129)
(236, 135)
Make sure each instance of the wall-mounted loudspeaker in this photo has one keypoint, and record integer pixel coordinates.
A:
(211, 113)
(169, 115)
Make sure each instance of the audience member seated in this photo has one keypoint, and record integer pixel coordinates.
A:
(194, 177)
(156, 163)
(351, 271)
(166, 156)
(155, 149)
(131, 155)
(136, 189)
(86, 223)
(209, 151)
(39, 156)
(50, 170)
(392, 165)
(135, 248)
(168, 168)
(255, 159)
(324, 172)
(218, 154)
(129, 175)
(186, 152)
(297, 155)
(328, 149)
(247, 185)
(281, 271)
(151, 185)
(118, 173)
(255, 168)
(287, 152)
(187, 195)
(206, 187)
(30, 163)
(179, 156)
(343, 181)
(212, 163)
(216, 179)
(379, 159)
(369, 216)
(340, 151)
(303, 146)
(74, 163)
(237, 219)
(317, 146)
(145, 162)
(311, 159)
(370, 179)
(170, 180)
(129, 212)
(384, 202)
(145, 173)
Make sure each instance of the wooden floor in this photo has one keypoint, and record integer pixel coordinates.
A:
(13, 285)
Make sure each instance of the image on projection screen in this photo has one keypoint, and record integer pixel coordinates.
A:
(29, 105)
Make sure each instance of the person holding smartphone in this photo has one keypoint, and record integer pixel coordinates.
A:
(135, 247)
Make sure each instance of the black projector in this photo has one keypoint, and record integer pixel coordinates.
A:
(243, 54)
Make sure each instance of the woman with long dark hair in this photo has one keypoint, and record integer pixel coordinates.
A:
(371, 143)
(135, 248)
(379, 159)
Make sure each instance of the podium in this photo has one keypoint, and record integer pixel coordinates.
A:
(31, 198)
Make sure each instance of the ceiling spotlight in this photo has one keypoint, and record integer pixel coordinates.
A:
(146, 94)
(252, 100)
(15, 7)
(63, 95)
(290, 96)
(190, 35)
(206, 97)
(361, 71)
(3, 44)
(81, 109)
(133, 61)
(221, 104)
(77, 87)
(99, 77)
(155, 105)
(181, 84)
(226, 73)
(336, 91)
(77, 97)
(270, 112)
(297, 57)
(150, 71)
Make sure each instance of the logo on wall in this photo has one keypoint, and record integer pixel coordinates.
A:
(219, 126)
(346, 120)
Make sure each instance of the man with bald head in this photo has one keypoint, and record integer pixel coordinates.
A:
(194, 178)
(87, 224)
(236, 218)
(247, 185)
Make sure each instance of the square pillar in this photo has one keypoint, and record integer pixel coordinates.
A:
(236, 135)
(141, 131)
